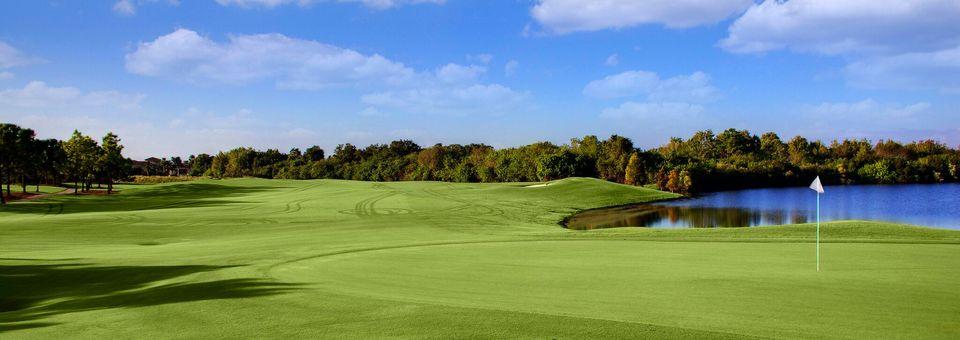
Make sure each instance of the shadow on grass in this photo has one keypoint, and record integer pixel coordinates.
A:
(30, 293)
(180, 195)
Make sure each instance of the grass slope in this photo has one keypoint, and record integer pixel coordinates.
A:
(270, 258)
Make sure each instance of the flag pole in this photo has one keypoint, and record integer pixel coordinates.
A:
(818, 187)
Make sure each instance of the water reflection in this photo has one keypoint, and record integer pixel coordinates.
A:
(927, 205)
(681, 216)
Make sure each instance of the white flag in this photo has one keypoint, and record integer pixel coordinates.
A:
(816, 186)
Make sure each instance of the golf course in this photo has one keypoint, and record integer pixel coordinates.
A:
(243, 258)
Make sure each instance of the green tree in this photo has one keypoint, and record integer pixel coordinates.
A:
(879, 172)
(557, 165)
(703, 145)
(772, 148)
(27, 156)
(313, 154)
(586, 150)
(634, 172)
(733, 142)
(799, 151)
(613, 157)
(199, 164)
(51, 162)
(218, 165)
(82, 155)
(111, 159)
(8, 154)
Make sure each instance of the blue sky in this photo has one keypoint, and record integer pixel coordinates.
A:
(183, 77)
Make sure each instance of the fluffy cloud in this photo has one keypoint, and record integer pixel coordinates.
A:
(564, 16)
(612, 60)
(661, 111)
(291, 63)
(38, 95)
(452, 89)
(56, 111)
(376, 4)
(658, 103)
(193, 131)
(11, 57)
(483, 58)
(892, 43)
(510, 68)
(455, 73)
(939, 70)
(867, 110)
(304, 64)
(873, 119)
(846, 27)
(124, 8)
(128, 8)
(694, 87)
(461, 100)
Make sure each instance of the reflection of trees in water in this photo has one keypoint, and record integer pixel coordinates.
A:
(681, 216)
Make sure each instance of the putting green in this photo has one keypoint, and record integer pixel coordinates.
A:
(763, 289)
(260, 258)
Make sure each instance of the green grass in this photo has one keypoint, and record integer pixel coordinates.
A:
(342, 259)
(44, 189)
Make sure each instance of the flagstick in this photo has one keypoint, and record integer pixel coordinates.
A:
(818, 232)
(818, 187)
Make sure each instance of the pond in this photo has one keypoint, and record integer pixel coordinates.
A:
(932, 205)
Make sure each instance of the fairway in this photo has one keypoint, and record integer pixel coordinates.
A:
(345, 259)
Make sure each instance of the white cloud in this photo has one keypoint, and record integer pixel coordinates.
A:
(124, 8)
(510, 68)
(659, 111)
(303, 64)
(663, 102)
(56, 111)
(301, 133)
(874, 120)
(612, 60)
(6, 75)
(371, 111)
(375, 4)
(455, 73)
(939, 70)
(197, 130)
(890, 43)
(867, 110)
(11, 57)
(626, 84)
(38, 95)
(463, 100)
(261, 3)
(694, 87)
(483, 58)
(846, 27)
(291, 63)
(564, 16)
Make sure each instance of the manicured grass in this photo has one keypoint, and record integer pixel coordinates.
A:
(46, 189)
(342, 259)
(32, 189)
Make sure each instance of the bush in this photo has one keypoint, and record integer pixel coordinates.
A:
(162, 179)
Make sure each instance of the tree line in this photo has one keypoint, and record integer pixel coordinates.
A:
(26, 160)
(732, 159)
